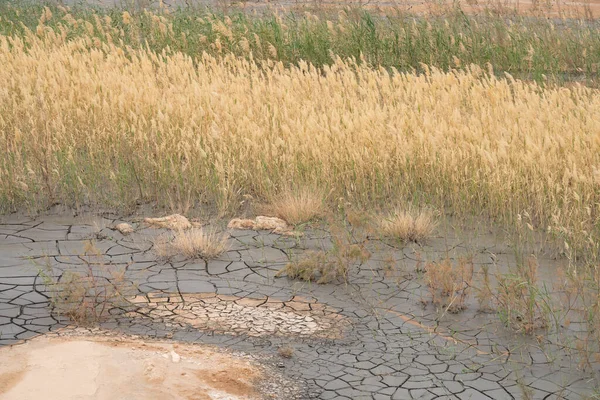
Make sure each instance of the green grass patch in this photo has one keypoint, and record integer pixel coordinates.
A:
(557, 50)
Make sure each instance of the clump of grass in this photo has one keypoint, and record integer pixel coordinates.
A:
(359, 220)
(581, 298)
(298, 207)
(328, 266)
(521, 304)
(285, 351)
(192, 243)
(325, 267)
(484, 292)
(449, 284)
(408, 225)
(313, 266)
(87, 296)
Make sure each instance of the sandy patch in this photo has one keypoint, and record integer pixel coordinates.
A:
(100, 368)
(236, 315)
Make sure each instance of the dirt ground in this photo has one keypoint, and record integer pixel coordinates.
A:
(100, 368)
(377, 335)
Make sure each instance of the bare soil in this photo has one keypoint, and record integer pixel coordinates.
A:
(91, 367)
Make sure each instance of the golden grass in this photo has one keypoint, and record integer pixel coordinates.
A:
(87, 296)
(192, 243)
(83, 114)
(298, 207)
(450, 285)
(408, 226)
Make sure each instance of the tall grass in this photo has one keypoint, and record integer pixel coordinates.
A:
(533, 48)
(85, 121)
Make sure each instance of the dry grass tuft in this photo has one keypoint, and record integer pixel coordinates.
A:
(192, 243)
(359, 219)
(298, 207)
(450, 285)
(521, 303)
(408, 226)
(87, 296)
(329, 266)
(313, 266)
(323, 267)
(285, 352)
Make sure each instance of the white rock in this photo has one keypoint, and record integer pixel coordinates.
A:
(174, 222)
(124, 228)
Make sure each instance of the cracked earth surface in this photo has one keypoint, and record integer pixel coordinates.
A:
(371, 338)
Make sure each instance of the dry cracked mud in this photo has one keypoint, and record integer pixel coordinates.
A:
(369, 338)
(241, 315)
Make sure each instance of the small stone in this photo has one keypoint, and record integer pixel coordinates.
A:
(173, 222)
(124, 228)
(260, 223)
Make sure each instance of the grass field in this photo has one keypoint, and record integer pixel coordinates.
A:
(188, 107)
(88, 119)
(540, 49)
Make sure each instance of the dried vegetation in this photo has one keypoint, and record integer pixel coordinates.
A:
(192, 243)
(449, 285)
(86, 296)
(408, 226)
(332, 265)
(145, 125)
(114, 111)
(298, 207)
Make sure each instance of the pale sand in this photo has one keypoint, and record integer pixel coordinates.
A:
(81, 368)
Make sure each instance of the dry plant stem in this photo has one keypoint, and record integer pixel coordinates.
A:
(86, 297)
(449, 285)
(484, 292)
(521, 303)
(581, 299)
